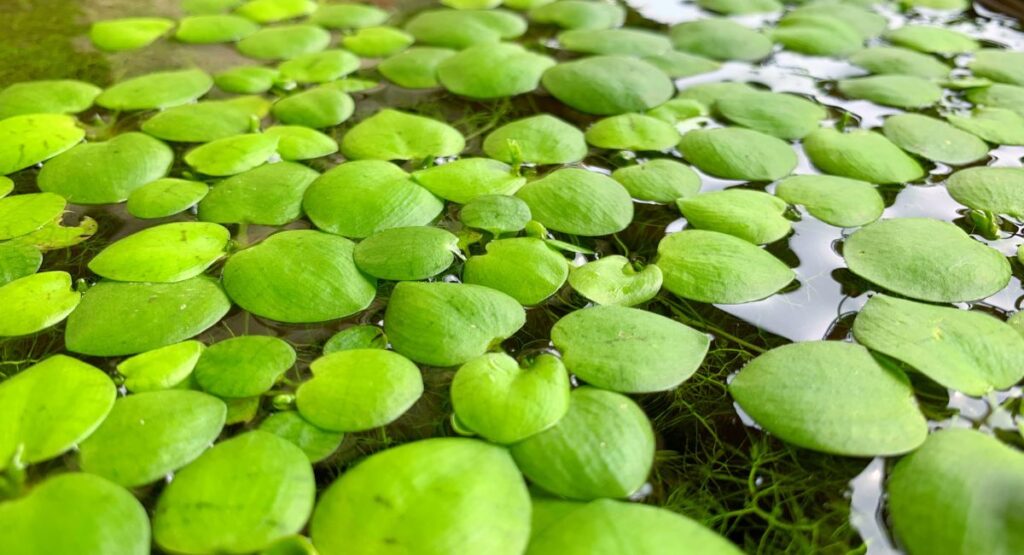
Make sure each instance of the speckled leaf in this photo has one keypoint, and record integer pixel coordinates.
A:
(211, 506)
(541, 139)
(602, 447)
(21, 214)
(36, 302)
(165, 197)
(838, 201)
(299, 276)
(357, 199)
(162, 89)
(435, 496)
(525, 268)
(407, 253)
(926, 259)
(751, 215)
(864, 155)
(27, 140)
(18, 260)
(117, 318)
(737, 153)
(148, 435)
(49, 407)
(446, 324)
(801, 393)
(713, 267)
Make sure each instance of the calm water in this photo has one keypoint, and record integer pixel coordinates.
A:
(707, 452)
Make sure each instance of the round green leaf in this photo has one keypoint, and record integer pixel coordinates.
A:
(863, 155)
(164, 253)
(838, 201)
(407, 253)
(27, 140)
(612, 280)
(22, 214)
(464, 180)
(165, 197)
(208, 6)
(243, 366)
(75, 513)
(272, 11)
(415, 68)
(817, 35)
(462, 28)
(492, 71)
(362, 336)
(18, 260)
(677, 64)
(737, 153)
(377, 42)
(319, 67)
(505, 402)
(954, 472)
(579, 202)
(707, 95)
(995, 125)
(320, 107)
(496, 213)
(608, 85)
(118, 318)
(148, 435)
(434, 497)
(348, 16)
(868, 23)
(162, 89)
(901, 91)
(295, 142)
(624, 42)
(525, 268)
(107, 172)
(393, 135)
(268, 195)
(316, 443)
(785, 116)
(660, 180)
(753, 216)
(802, 393)
(1004, 66)
(47, 97)
(299, 276)
(36, 302)
(720, 39)
(358, 199)
(998, 190)
(926, 259)
(232, 155)
(632, 132)
(214, 28)
(541, 139)
(937, 40)
(211, 506)
(605, 526)
(889, 60)
(602, 447)
(161, 368)
(49, 407)
(446, 324)
(934, 139)
(284, 42)
(627, 349)
(964, 350)
(740, 7)
(998, 96)
(246, 79)
(579, 14)
(116, 35)
(713, 267)
(199, 123)
(359, 389)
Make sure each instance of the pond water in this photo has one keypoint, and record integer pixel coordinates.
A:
(712, 463)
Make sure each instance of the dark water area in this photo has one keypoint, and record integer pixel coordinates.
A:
(712, 464)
